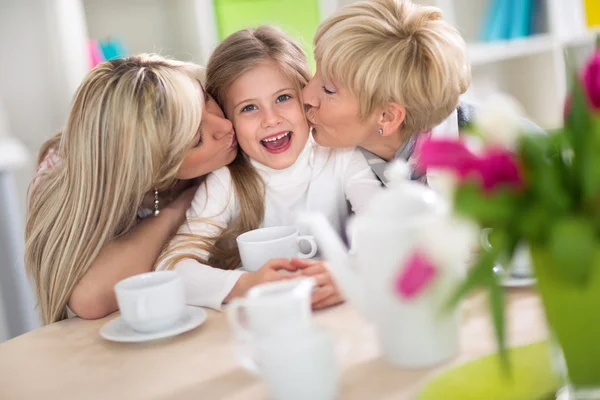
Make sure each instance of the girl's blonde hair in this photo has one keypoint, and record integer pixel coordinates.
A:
(131, 123)
(246, 49)
(395, 51)
(237, 54)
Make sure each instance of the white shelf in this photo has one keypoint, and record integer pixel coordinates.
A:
(584, 39)
(485, 53)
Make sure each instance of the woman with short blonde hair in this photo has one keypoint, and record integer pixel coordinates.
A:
(387, 70)
(388, 73)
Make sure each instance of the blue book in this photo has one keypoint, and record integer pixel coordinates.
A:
(522, 12)
(538, 16)
(113, 48)
(498, 21)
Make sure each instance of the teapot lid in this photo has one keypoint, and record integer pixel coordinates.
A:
(404, 200)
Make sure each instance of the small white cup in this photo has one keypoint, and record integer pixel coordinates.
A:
(152, 301)
(281, 306)
(261, 245)
(299, 366)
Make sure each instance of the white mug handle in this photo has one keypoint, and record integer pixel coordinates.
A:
(313, 246)
(243, 335)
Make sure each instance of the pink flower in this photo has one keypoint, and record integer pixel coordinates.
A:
(591, 80)
(494, 168)
(446, 153)
(499, 167)
(415, 275)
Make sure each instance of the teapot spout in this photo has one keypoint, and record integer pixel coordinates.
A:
(335, 255)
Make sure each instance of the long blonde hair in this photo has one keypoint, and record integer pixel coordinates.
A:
(131, 122)
(237, 54)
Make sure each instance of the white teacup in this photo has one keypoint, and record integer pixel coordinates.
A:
(269, 308)
(261, 245)
(152, 301)
(299, 366)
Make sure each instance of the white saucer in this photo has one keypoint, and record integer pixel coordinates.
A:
(118, 331)
(513, 282)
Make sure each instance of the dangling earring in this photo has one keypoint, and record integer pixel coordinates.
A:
(156, 210)
(380, 131)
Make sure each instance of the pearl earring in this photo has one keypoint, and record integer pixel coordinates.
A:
(156, 210)
(380, 131)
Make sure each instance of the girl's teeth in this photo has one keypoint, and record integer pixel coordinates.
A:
(276, 138)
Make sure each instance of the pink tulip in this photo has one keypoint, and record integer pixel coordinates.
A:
(446, 153)
(494, 168)
(591, 80)
(498, 167)
(415, 276)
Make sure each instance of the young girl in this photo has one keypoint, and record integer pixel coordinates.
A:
(257, 76)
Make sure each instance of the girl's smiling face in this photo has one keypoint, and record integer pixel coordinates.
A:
(265, 108)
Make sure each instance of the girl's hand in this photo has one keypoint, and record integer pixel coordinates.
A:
(326, 292)
(269, 272)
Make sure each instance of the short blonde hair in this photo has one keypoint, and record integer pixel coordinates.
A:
(395, 51)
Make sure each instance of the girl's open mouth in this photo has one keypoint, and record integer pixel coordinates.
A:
(277, 143)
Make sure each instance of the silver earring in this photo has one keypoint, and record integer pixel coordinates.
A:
(380, 131)
(156, 210)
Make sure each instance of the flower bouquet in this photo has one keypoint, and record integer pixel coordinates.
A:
(542, 190)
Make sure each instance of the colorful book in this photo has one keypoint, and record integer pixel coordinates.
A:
(520, 23)
(592, 12)
(113, 48)
(497, 22)
(96, 56)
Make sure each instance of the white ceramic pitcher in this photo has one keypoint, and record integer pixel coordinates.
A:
(413, 332)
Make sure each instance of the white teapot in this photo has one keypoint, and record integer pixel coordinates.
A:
(413, 332)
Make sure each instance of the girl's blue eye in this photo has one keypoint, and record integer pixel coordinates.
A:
(249, 107)
(283, 97)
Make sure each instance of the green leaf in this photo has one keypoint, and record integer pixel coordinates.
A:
(482, 275)
(481, 271)
(542, 162)
(489, 209)
(571, 244)
(496, 298)
(590, 163)
(578, 128)
(475, 278)
(534, 222)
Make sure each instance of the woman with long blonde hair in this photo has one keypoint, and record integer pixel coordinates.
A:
(115, 184)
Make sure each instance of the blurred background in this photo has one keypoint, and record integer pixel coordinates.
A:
(521, 47)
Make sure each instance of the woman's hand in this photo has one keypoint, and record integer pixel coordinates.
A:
(269, 272)
(326, 293)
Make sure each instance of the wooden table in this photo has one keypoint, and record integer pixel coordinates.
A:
(69, 360)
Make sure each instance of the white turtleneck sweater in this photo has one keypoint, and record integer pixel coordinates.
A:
(321, 179)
